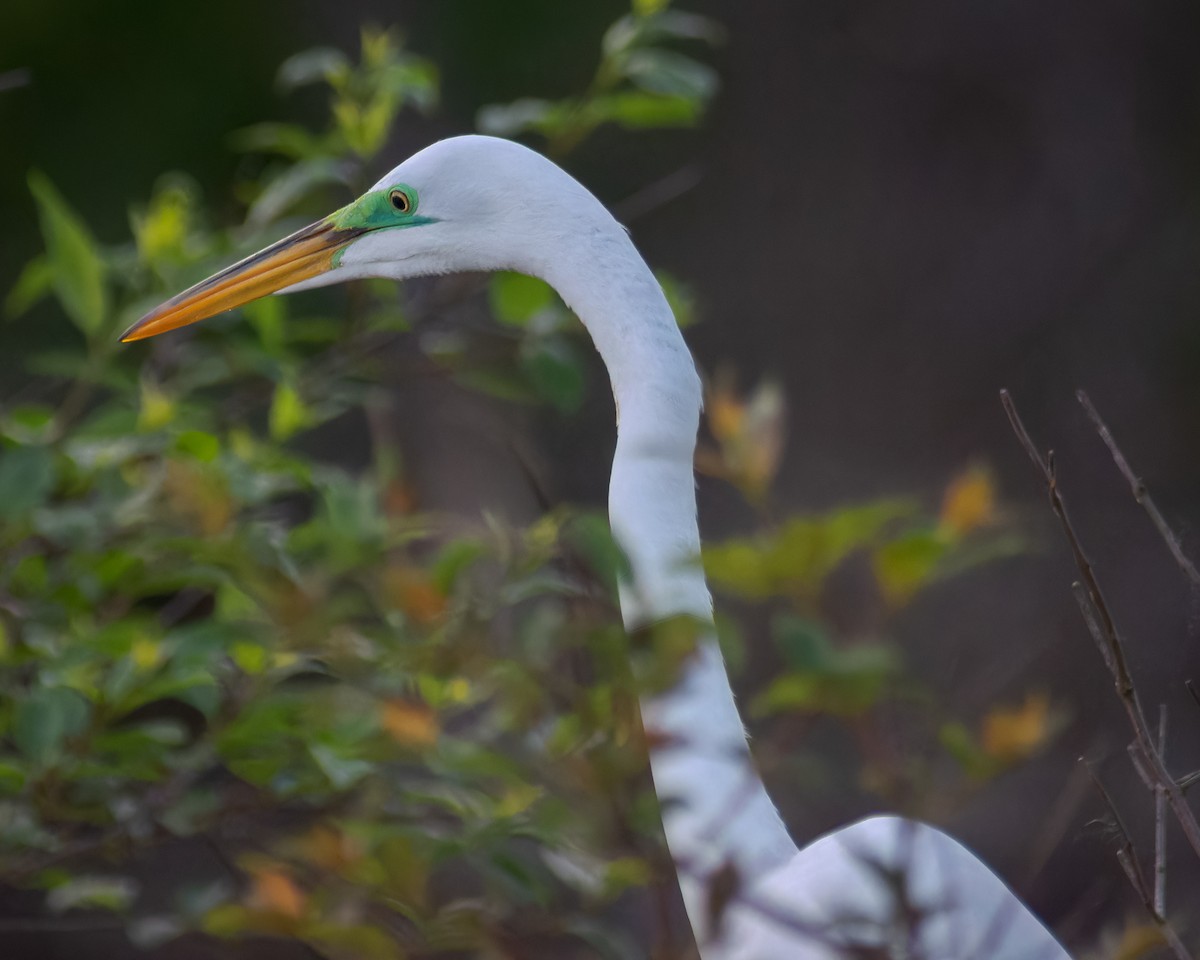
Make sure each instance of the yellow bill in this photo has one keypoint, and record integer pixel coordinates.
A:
(305, 254)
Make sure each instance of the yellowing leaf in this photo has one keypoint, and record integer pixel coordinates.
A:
(273, 891)
(199, 496)
(725, 411)
(458, 690)
(646, 8)
(251, 658)
(517, 799)
(907, 563)
(969, 503)
(333, 849)
(1013, 734)
(162, 229)
(409, 724)
(1139, 941)
(146, 653)
(749, 433)
(399, 498)
(410, 589)
(156, 408)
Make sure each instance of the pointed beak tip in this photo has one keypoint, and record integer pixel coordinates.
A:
(301, 256)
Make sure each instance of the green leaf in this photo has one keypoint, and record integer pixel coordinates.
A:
(852, 682)
(646, 8)
(72, 253)
(507, 119)
(161, 230)
(104, 893)
(29, 423)
(297, 183)
(198, 445)
(796, 559)
(285, 139)
(909, 563)
(359, 941)
(12, 777)
(317, 65)
(639, 110)
(640, 31)
(453, 559)
(555, 369)
(46, 719)
(289, 414)
(195, 687)
(517, 298)
(803, 643)
(590, 535)
(412, 81)
(679, 297)
(27, 477)
(671, 74)
(35, 281)
(341, 771)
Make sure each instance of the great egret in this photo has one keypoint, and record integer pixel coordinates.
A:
(882, 886)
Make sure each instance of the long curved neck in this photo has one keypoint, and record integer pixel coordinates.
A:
(715, 807)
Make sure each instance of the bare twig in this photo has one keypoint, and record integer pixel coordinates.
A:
(1108, 635)
(1189, 780)
(1126, 853)
(1191, 688)
(1160, 824)
(654, 195)
(1127, 858)
(1093, 625)
(1138, 488)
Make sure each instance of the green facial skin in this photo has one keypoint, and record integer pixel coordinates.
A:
(374, 211)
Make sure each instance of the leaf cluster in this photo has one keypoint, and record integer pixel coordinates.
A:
(406, 735)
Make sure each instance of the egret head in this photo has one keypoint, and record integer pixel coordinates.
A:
(468, 203)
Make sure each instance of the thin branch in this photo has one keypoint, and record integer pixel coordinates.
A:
(1191, 688)
(1109, 636)
(1093, 625)
(1126, 853)
(1188, 781)
(660, 192)
(1138, 487)
(1160, 824)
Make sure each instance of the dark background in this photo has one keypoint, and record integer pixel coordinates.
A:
(902, 208)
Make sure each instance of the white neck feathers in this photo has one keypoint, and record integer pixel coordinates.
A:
(715, 808)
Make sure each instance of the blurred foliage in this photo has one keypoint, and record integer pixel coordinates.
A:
(643, 81)
(405, 735)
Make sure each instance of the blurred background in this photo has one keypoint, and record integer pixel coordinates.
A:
(878, 214)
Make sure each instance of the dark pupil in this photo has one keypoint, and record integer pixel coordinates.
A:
(400, 201)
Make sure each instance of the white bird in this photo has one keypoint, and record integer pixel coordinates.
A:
(882, 887)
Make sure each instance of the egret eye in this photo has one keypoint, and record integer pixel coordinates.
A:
(400, 200)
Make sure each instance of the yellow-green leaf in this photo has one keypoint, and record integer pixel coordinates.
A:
(73, 255)
(517, 298)
(36, 280)
(288, 414)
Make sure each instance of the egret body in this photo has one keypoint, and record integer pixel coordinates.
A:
(886, 884)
